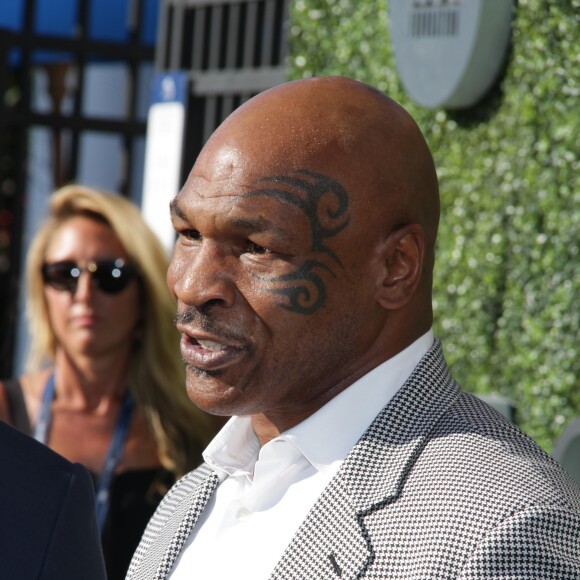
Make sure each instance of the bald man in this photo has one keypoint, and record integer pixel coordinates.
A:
(302, 274)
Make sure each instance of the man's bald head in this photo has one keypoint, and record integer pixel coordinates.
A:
(347, 130)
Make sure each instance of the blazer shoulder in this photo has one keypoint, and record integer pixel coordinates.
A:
(506, 456)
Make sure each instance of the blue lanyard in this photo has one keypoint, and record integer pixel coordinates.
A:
(113, 454)
(45, 414)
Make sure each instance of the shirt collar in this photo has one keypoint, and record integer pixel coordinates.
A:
(234, 450)
(327, 436)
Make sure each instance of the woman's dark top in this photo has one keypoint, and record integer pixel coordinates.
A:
(134, 496)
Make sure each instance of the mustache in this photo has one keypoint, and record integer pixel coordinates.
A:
(206, 323)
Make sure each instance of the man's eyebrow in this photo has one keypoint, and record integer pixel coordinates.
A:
(258, 224)
(175, 209)
(261, 224)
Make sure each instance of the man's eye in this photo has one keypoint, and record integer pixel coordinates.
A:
(257, 249)
(190, 235)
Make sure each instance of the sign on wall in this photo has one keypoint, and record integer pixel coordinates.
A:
(449, 52)
(163, 151)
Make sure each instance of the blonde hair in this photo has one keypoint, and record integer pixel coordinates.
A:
(156, 374)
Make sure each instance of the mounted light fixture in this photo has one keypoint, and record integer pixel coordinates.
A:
(449, 52)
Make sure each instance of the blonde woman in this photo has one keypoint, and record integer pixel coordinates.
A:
(105, 386)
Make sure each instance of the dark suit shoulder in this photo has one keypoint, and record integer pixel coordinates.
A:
(48, 526)
(23, 453)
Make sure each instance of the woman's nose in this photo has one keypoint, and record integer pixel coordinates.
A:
(84, 289)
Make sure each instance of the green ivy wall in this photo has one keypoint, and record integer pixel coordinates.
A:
(507, 283)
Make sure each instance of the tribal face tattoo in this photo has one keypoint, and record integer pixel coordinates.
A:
(324, 202)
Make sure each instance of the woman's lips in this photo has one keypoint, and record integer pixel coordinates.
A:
(84, 320)
(208, 354)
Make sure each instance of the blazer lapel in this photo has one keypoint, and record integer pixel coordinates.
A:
(333, 542)
(169, 528)
(183, 521)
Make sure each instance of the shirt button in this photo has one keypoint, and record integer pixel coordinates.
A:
(242, 514)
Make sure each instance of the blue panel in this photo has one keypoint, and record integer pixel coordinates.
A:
(56, 17)
(150, 18)
(107, 20)
(11, 14)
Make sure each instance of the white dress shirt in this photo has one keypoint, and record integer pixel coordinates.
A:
(265, 493)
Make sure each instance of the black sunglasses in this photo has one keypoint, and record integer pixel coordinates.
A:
(110, 276)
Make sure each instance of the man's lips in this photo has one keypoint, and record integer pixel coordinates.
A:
(208, 353)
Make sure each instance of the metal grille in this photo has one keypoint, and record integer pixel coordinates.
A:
(67, 57)
(232, 50)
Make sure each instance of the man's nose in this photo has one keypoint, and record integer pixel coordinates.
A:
(204, 276)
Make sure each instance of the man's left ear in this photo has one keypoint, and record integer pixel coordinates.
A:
(402, 257)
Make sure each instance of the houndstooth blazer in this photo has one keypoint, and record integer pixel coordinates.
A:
(440, 486)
